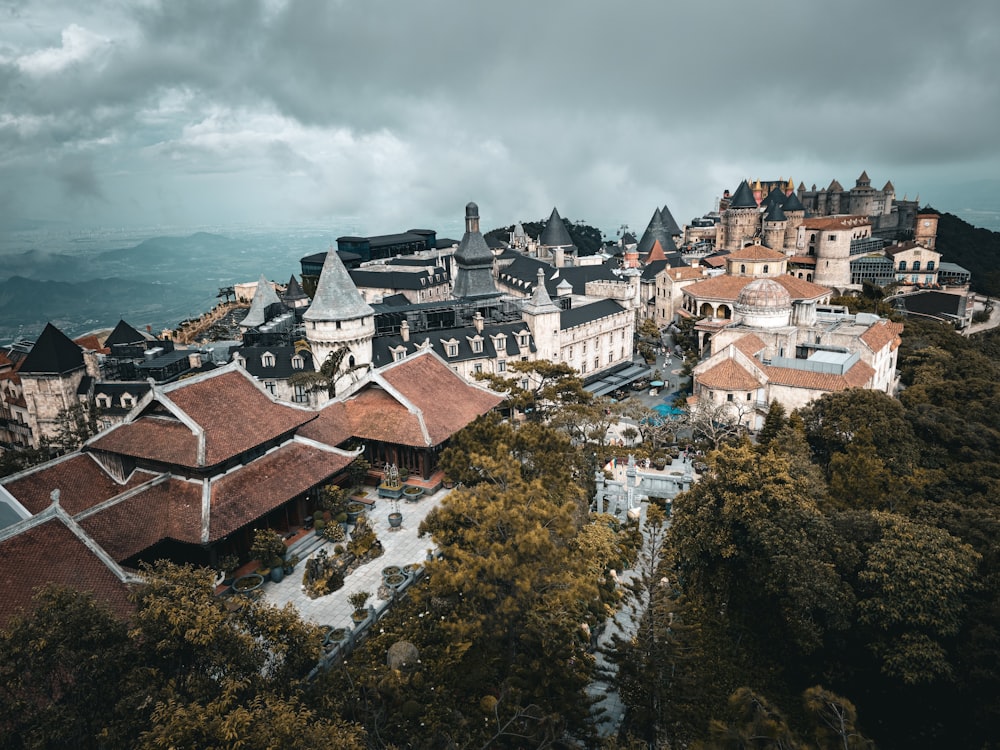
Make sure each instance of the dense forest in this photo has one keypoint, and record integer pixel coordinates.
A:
(587, 239)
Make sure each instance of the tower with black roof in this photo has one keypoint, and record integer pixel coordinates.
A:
(775, 224)
(50, 377)
(795, 214)
(656, 231)
(741, 221)
(542, 316)
(473, 261)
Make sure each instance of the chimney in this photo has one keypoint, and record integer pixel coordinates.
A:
(404, 331)
(477, 321)
(194, 359)
(558, 257)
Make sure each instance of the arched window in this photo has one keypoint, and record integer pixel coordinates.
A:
(916, 265)
(930, 265)
(765, 268)
(902, 265)
(743, 268)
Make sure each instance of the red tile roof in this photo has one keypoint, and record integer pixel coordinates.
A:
(859, 376)
(50, 553)
(749, 345)
(93, 343)
(882, 334)
(81, 482)
(168, 510)
(443, 401)
(755, 252)
(243, 496)
(729, 375)
(729, 287)
(234, 414)
(834, 223)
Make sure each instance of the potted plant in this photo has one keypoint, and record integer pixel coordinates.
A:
(290, 563)
(277, 569)
(354, 509)
(358, 600)
(268, 545)
(395, 517)
(248, 583)
(319, 526)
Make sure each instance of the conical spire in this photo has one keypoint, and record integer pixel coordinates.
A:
(792, 203)
(294, 290)
(673, 228)
(555, 233)
(775, 213)
(743, 197)
(656, 231)
(264, 297)
(474, 260)
(337, 297)
(540, 301)
(123, 334)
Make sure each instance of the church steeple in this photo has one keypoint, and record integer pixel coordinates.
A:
(474, 259)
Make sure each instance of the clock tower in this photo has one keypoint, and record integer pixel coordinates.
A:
(925, 232)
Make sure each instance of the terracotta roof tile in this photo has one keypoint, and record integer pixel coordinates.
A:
(755, 252)
(749, 345)
(803, 260)
(882, 334)
(835, 222)
(169, 510)
(240, 497)
(161, 439)
(729, 375)
(50, 553)
(81, 482)
(92, 343)
(858, 376)
(234, 414)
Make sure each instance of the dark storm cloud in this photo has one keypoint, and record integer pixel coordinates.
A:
(408, 110)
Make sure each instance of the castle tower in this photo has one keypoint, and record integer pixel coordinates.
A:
(50, 376)
(740, 221)
(834, 195)
(795, 213)
(339, 318)
(542, 317)
(775, 225)
(474, 261)
(656, 231)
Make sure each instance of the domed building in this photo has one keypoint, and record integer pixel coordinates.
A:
(764, 303)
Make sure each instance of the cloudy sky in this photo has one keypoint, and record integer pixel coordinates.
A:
(396, 113)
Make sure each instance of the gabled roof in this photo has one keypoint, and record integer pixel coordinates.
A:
(54, 353)
(743, 197)
(51, 549)
(859, 376)
(336, 297)
(81, 481)
(555, 233)
(418, 401)
(882, 334)
(729, 375)
(203, 421)
(124, 334)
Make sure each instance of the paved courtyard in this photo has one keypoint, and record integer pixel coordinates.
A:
(402, 547)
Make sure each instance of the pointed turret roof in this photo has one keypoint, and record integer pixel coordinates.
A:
(835, 186)
(656, 231)
(336, 298)
(889, 187)
(774, 213)
(262, 299)
(53, 353)
(669, 222)
(792, 203)
(555, 233)
(540, 301)
(802, 187)
(743, 197)
(123, 334)
(790, 186)
(518, 230)
(294, 290)
(864, 176)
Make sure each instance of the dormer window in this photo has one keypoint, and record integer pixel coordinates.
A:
(128, 400)
(477, 345)
(104, 401)
(267, 359)
(500, 342)
(523, 339)
(297, 362)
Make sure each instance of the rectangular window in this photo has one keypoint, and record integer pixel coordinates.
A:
(729, 397)
(300, 396)
(501, 365)
(270, 385)
(831, 237)
(479, 367)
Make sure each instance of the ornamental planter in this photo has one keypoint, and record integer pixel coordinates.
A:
(353, 511)
(412, 493)
(395, 520)
(395, 581)
(244, 585)
(391, 570)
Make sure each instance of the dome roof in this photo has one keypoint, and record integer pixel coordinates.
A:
(764, 294)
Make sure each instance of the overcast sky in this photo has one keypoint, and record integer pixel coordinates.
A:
(396, 114)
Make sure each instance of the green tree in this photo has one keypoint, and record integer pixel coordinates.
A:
(745, 540)
(752, 723)
(834, 721)
(330, 372)
(63, 669)
(914, 583)
(775, 420)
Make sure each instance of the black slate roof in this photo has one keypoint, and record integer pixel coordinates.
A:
(382, 345)
(576, 316)
(792, 203)
(53, 353)
(774, 213)
(669, 222)
(555, 233)
(743, 197)
(934, 303)
(397, 279)
(282, 368)
(124, 334)
(525, 269)
(656, 230)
